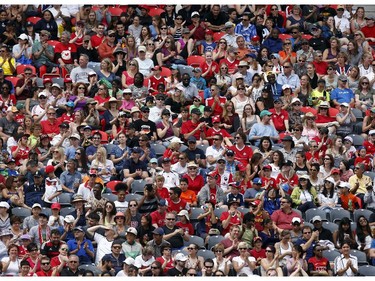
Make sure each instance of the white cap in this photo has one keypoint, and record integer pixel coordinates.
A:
(129, 261)
(176, 139)
(42, 94)
(295, 100)
(69, 219)
(286, 86)
(75, 135)
(36, 205)
(180, 257)
(330, 179)
(344, 184)
(141, 49)
(371, 132)
(23, 36)
(316, 218)
(184, 213)
(344, 104)
(56, 85)
(296, 219)
(349, 139)
(4, 204)
(132, 230)
(194, 13)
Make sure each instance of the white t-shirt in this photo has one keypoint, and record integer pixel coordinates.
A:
(245, 270)
(13, 268)
(104, 247)
(141, 263)
(145, 66)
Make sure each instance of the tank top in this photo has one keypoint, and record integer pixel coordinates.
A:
(249, 124)
(283, 251)
(240, 105)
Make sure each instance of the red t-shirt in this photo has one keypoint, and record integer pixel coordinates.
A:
(154, 82)
(232, 66)
(319, 264)
(195, 184)
(186, 227)
(214, 69)
(234, 220)
(158, 218)
(188, 127)
(67, 52)
(278, 119)
(177, 207)
(50, 128)
(369, 32)
(272, 182)
(163, 192)
(243, 155)
(22, 154)
(321, 67)
(217, 110)
(169, 264)
(370, 147)
(66, 118)
(292, 182)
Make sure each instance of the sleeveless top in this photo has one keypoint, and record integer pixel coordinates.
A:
(249, 124)
(239, 105)
(283, 251)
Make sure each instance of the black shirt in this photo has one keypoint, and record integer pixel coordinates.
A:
(174, 272)
(176, 241)
(68, 272)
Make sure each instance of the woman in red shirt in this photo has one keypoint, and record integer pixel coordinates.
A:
(196, 181)
(209, 66)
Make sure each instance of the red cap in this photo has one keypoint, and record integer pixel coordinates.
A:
(155, 68)
(335, 171)
(47, 80)
(267, 167)
(216, 119)
(256, 202)
(209, 32)
(67, 80)
(241, 167)
(144, 7)
(56, 206)
(255, 38)
(49, 169)
(212, 174)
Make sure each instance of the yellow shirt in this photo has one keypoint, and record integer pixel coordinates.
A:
(363, 182)
(315, 94)
(6, 67)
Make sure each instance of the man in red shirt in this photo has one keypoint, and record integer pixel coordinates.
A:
(158, 216)
(282, 219)
(45, 266)
(194, 127)
(175, 203)
(66, 53)
(216, 130)
(369, 144)
(51, 125)
(107, 47)
(369, 30)
(279, 116)
(98, 38)
(231, 217)
(319, 265)
(242, 152)
(215, 101)
(320, 65)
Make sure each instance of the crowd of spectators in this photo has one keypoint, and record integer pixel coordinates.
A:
(187, 140)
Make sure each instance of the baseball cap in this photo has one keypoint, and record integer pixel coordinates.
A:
(69, 219)
(335, 171)
(229, 152)
(229, 24)
(343, 78)
(5, 205)
(141, 49)
(264, 113)
(195, 13)
(257, 181)
(162, 202)
(132, 230)
(196, 111)
(36, 205)
(55, 206)
(316, 218)
(158, 231)
(296, 219)
(192, 139)
(49, 169)
(181, 257)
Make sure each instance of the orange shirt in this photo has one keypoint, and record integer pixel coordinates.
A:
(189, 196)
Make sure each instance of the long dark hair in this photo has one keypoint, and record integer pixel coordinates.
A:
(84, 164)
(341, 232)
(325, 191)
(260, 146)
(360, 232)
(281, 158)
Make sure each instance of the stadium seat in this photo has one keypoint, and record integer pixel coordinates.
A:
(310, 213)
(331, 255)
(333, 111)
(65, 199)
(338, 214)
(91, 268)
(361, 256)
(206, 254)
(366, 270)
(194, 213)
(330, 226)
(13, 80)
(137, 186)
(111, 185)
(59, 81)
(20, 69)
(218, 212)
(159, 149)
(21, 212)
(165, 72)
(66, 211)
(306, 109)
(370, 174)
(217, 36)
(195, 60)
(195, 240)
(114, 11)
(214, 240)
(47, 211)
(155, 12)
(357, 139)
(133, 196)
(110, 196)
(306, 36)
(34, 20)
(243, 210)
(283, 36)
(361, 212)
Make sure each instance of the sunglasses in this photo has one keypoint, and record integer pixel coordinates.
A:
(170, 219)
(44, 263)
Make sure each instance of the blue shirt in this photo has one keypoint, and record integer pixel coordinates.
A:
(247, 32)
(262, 130)
(68, 179)
(342, 95)
(84, 258)
(118, 152)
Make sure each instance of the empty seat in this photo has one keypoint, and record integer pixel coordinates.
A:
(21, 212)
(214, 240)
(66, 211)
(310, 213)
(331, 254)
(206, 254)
(330, 226)
(361, 256)
(137, 186)
(132, 196)
(338, 214)
(194, 213)
(159, 149)
(195, 240)
(366, 270)
(110, 196)
(65, 199)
